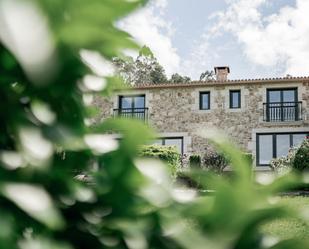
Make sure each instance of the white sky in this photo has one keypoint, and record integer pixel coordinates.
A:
(256, 38)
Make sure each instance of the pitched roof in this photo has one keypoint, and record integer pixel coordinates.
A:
(287, 79)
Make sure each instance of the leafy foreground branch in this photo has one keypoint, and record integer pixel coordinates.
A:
(44, 89)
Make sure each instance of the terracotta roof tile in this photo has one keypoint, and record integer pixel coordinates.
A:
(226, 82)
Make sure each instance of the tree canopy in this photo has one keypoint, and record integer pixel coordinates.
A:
(207, 75)
(145, 69)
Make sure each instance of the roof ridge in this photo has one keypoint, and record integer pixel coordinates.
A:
(222, 81)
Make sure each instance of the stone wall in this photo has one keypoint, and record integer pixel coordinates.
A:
(176, 111)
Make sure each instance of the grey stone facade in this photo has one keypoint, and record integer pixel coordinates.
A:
(174, 110)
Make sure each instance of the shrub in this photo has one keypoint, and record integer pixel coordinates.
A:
(301, 160)
(284, 164)
(168, 154)
(297, 158)
(215, 161)
(195, 161)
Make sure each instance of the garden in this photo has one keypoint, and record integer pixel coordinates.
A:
(48, 137)
(297, 160)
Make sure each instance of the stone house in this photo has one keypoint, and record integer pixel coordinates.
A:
(264, 117)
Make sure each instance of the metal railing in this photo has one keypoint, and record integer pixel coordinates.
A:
(137, 113)
(282, 111)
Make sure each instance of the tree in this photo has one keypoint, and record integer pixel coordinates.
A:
(177, 78)
(125, 69)
(145, 69)
(207, 76)
(157, 74)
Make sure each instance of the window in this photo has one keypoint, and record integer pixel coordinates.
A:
(298, 139)
(282, 144)
(235, 101)
(275, 145)
(281, 95)
(132, 102)
(171, 141)
(282, 105)
(265, 149)
(132, 107)
(204, 100)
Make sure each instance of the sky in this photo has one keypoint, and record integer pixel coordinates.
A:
(255, 38)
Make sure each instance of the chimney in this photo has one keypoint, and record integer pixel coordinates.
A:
(221, 73)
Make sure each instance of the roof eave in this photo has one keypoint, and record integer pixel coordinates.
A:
(223, 83)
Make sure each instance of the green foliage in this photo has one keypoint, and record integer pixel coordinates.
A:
(215, 161)
(144, 69)
(146, 51)
(248, 157)
(177, 78)
(289, 228)
(297, 158)
(125, 69)
(168, 154)
(158, 74)
(195, 161)
(128, 203)
(79, 24)
(241, 195)
(301, 159)
(207, 75)
(284, 164)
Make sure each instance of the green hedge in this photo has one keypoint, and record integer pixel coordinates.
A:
(168, 154)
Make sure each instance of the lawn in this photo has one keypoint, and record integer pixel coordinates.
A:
(290, 228)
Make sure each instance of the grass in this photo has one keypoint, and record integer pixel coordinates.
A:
(289, 228)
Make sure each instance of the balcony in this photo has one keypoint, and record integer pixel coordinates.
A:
(282, 111)
(136, 113)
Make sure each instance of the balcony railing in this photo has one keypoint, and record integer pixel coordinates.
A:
(282, 111)
(137, 113)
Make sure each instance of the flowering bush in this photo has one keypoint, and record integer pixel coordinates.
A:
(284, 164)
(301, 160)
(297, 158)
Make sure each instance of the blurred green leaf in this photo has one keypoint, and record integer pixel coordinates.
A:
(35, 201)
